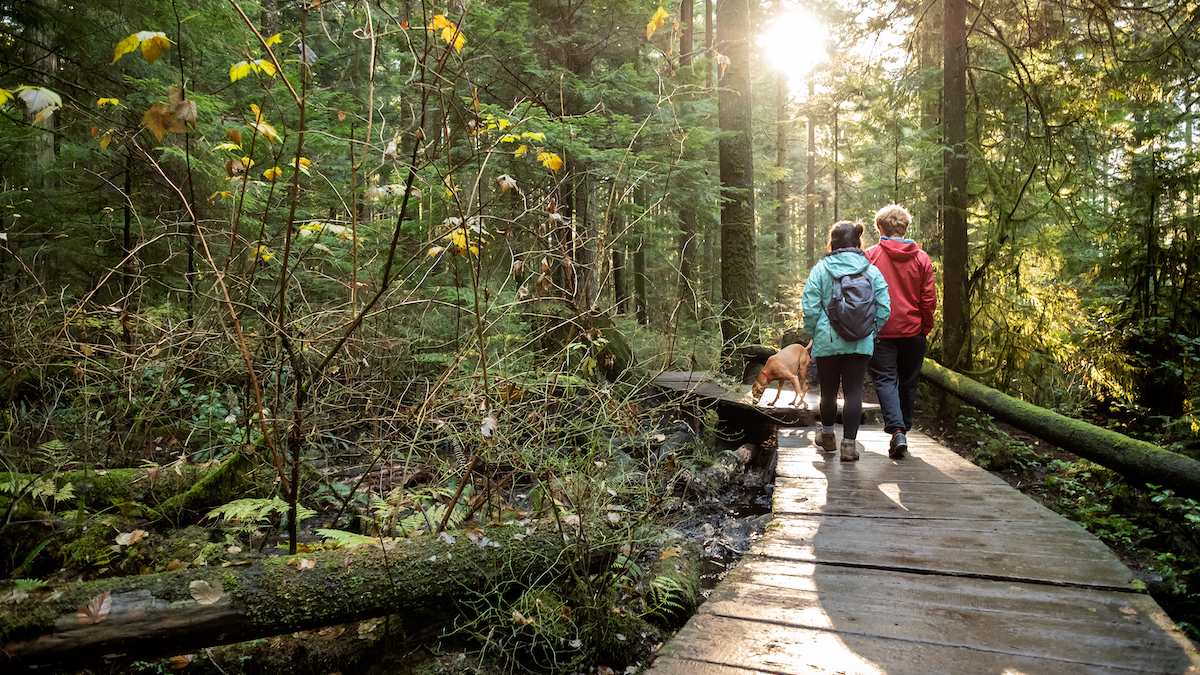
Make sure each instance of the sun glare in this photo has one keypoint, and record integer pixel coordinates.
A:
(794, 42)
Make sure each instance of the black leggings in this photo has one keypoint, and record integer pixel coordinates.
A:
(847, 370)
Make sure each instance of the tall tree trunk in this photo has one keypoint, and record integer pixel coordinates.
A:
(928, 213)
(708, 44)
(739, 279)
(43, 64)
(810, 198)
(639, 257)
(837, 175)
(620, 294)
(688, 222)
(782, 184)
(269, 19)
(686, 32)
(954, 188)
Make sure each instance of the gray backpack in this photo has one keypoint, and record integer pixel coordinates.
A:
(851, 310)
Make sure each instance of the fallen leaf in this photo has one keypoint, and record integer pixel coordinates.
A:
(520, 619)
(671, 552)
(95, 611)
(205, 593)
(175, 565)
(181, 661)
(1129, 613)
(13, 597)
(130, 538)
(306, 564)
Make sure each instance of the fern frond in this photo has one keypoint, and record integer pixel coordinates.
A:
(251, 510)
(350, 539)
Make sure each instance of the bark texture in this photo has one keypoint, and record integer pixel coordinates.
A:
(156, 615)
(739, 276)
(1137, 460)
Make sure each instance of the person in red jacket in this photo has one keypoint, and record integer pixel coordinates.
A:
(895, 365)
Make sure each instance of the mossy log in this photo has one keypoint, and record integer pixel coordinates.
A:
(186, 494)
(1138, 461)
(156, 615)
(672, 586)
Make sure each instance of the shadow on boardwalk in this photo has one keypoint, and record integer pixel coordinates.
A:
(921, 566)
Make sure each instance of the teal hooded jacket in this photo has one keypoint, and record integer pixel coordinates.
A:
(819, 289)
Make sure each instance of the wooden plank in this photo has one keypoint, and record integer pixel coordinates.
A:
(926, 565)
(1048, 554)
(717, 645)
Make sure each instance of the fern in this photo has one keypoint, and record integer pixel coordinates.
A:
(350, 539)
(664, 599)
(257, 511)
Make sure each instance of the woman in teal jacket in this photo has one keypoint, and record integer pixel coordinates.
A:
(839, 361)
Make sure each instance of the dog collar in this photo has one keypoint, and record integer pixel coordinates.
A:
(766, 373)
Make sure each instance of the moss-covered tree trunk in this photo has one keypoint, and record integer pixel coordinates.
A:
(1137, 460)
(177, 612)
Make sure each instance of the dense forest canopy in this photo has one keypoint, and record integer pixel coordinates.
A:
(287, 224)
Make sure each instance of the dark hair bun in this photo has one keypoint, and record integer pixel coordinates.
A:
(858, 229)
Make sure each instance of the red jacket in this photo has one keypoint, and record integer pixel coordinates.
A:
(909, 275)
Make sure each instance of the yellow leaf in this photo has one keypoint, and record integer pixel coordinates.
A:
(275, 39)
(154, 45)
(550, 160)
(104, 102)
(223, 194)
(44, 114)
(509, 138)
(5, 96)
(265, 66)
(272, 173)
(656, 22)
(267, 131)
(239, 70)
(459, 39)
(434, 251)
(247, 162)
(450, 33)
(520, 151)
(232, 134)
(125, 46)
(227, 146)
(534, 135)
(105, 140)
(263, 253)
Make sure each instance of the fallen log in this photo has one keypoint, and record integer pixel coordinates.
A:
(187, 493)
(172, 613)
(1138, 461)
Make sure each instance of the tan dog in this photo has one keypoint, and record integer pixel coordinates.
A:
(789, 364)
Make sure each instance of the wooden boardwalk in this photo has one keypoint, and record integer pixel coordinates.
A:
(928, 565)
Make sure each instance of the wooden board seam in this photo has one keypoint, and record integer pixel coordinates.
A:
(958, 575)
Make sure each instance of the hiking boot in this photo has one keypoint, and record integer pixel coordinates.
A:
(849, 451)
(826, 442)
(898, 448)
